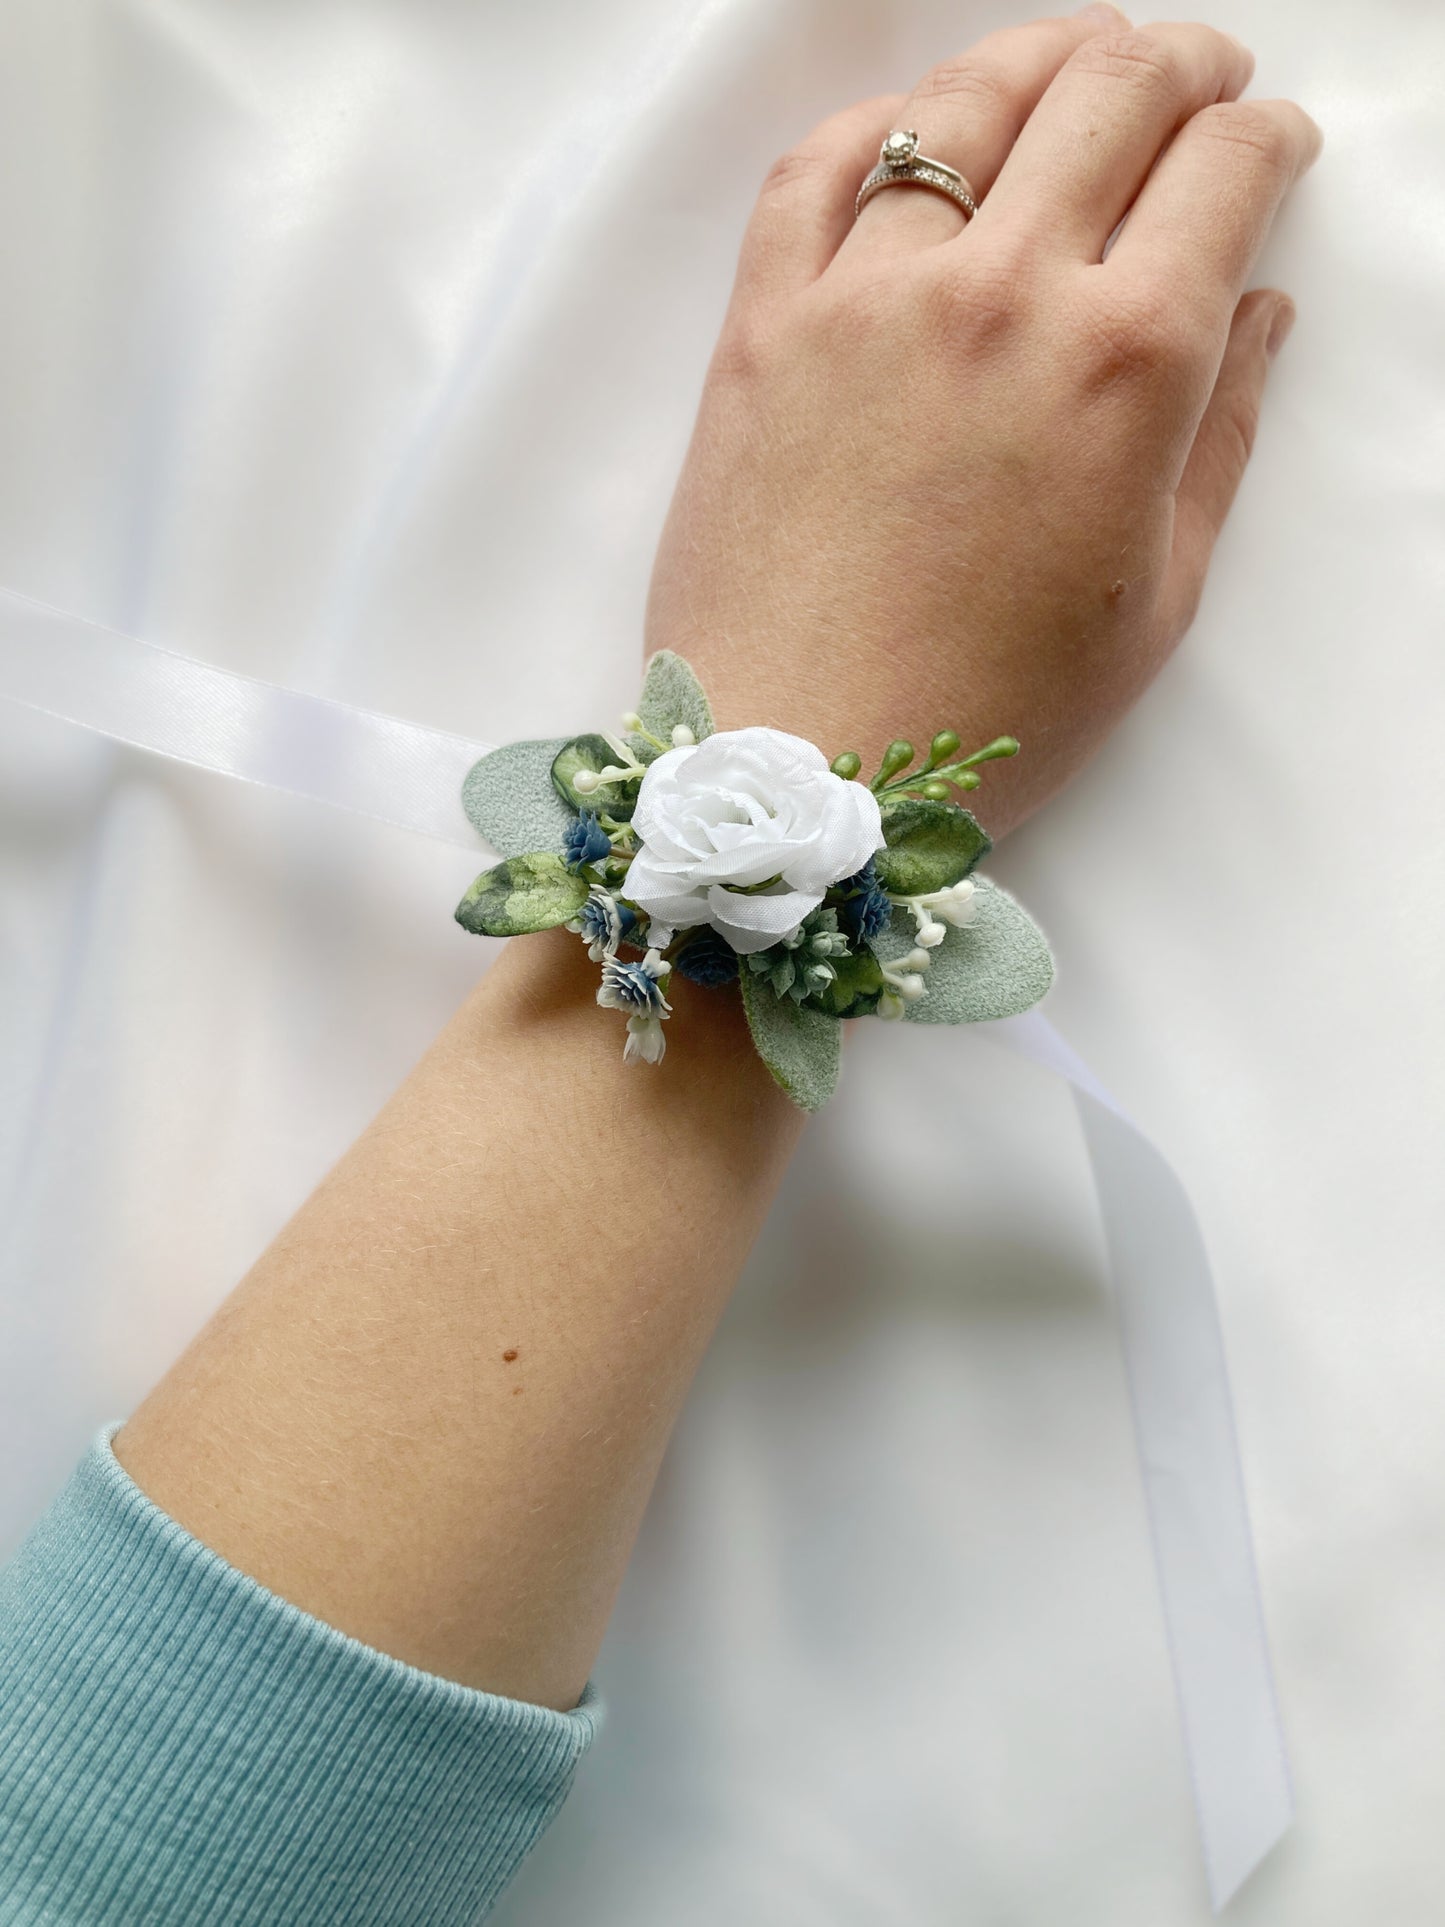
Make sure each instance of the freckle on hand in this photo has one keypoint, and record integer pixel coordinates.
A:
(516, 1391)
(507, 1357)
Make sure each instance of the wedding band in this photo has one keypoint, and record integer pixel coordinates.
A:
(901, 165)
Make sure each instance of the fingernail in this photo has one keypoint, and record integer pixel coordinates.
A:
(1106, 16)
(1279, 327)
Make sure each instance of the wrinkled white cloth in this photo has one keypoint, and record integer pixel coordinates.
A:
(357, 347)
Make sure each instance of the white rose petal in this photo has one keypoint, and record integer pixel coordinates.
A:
(747, 807)
(754, 922)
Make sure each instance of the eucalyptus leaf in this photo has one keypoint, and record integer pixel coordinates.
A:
(672, 694)
(930, 846)
(996, 966)
(509, 798)
(524, 894)
(617, 800)
(800, 1046)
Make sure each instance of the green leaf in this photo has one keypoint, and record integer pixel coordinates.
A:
(930, 846)
(523, 894)
(799, 1045)
(617, 800)
(672, 694)
(509, 798)
(856, 987)
(994, 967)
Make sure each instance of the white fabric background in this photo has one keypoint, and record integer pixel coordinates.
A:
(356, 345)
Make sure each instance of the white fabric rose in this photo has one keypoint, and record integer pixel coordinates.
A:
(746, 807)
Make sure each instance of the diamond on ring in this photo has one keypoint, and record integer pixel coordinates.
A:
(899, 148)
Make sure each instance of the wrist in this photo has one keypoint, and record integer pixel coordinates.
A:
(810, 688)
(540, 996)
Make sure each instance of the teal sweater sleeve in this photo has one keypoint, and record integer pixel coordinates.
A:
(178, 1745)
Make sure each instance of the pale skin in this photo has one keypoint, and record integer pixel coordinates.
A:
(943, 474)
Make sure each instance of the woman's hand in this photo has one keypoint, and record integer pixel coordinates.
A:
(970, 476)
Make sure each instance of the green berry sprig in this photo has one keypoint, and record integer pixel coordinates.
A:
(943, 771)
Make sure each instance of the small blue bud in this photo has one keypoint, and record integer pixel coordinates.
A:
(585, 841)
(707, 959)
(865, 916)
(864, 879)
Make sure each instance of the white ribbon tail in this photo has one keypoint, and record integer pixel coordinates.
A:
(1193, 1484)
(379, 766)
(404, 773)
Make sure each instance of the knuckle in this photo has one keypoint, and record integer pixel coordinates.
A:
(1254, 135)
(1132, 58)
(1237, 424)
(859, 325)
(745, 344)
(966, 81)
(800, 167)
(1141, 329)
(980, 307)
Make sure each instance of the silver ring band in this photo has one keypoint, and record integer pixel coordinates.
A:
(901, 165)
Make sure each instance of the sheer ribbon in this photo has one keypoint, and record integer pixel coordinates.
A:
(404, 773)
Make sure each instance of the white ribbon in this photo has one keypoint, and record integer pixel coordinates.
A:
(406, 774)
(150, 697)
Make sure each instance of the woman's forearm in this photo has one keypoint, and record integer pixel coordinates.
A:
(945, 471)
(433, 1412)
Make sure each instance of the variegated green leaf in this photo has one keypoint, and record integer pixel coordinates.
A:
(617, 800)
(524, 894)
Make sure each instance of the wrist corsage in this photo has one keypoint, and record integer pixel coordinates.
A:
(743, 860)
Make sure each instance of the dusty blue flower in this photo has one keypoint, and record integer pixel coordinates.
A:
(708, 959)
(863, 917)
(602, 923)
(637, 989)
(585, 841)
(864, 879)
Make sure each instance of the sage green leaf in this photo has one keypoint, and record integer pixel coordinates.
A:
(856, 986)
(508, 796)
(617, 800)
(524, 894)
(996, 966)
(671, 694)
(930, 846)
(800, 1046)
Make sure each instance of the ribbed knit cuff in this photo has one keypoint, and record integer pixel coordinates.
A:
(178, 1744)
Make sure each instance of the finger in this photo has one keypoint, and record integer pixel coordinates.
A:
(1221, 450)
(805, 205)
(1203, 214)
(1091, 141)
(968, 112)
